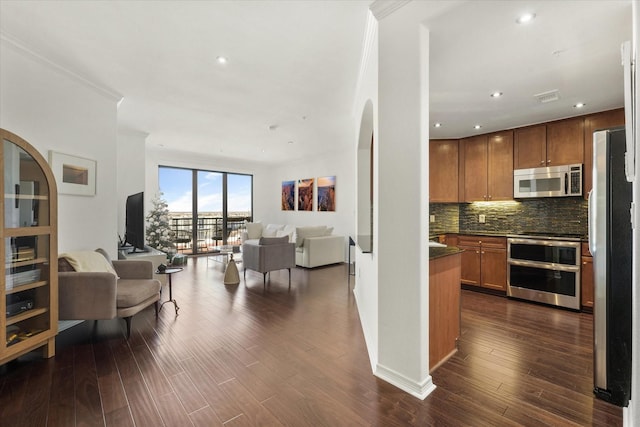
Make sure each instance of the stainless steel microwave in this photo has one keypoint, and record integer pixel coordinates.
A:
(551, 181)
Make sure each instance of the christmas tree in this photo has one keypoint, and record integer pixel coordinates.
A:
(159, 233)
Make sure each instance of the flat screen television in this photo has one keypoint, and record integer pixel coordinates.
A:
(134, 231)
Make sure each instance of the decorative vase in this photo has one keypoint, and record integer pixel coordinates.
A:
(231, 276)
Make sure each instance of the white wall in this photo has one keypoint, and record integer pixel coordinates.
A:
(403, 275)
(338, 164)
(366, 287)
(54, 110)
(267, 185)
(131, 171)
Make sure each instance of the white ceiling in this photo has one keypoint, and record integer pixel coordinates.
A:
(477, 49)
(295, 64)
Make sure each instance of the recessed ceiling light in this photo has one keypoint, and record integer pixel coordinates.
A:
(496, 94)
(437, 125)
(477, 127)
(524, 18)
(222, 59)
(580, 105)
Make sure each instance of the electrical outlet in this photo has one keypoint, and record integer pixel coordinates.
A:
(481, 219)
(432, 218)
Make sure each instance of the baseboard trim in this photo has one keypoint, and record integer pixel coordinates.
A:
(420, 390)
(66, 324)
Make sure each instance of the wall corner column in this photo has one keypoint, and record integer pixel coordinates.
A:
(403, 164)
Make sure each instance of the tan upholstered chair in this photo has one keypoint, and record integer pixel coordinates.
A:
(85, 295)
(268, 254)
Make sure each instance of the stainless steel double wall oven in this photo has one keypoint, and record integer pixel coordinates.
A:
(544, 269)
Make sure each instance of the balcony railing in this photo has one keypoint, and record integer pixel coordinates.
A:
(208, 234)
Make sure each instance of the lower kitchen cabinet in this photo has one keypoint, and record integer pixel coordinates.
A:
(586, 278)
(484, 261)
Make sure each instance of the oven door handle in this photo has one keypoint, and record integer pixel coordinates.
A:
(544, 265)
(561, 243)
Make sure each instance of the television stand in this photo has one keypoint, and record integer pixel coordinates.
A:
(155, 256)
(137, 251)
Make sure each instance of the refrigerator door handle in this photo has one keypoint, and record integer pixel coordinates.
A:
(592, 222)
(629, 108)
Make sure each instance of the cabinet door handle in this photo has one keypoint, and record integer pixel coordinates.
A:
(477, 252)
(542, 162)
(17, 192)
(549, 161)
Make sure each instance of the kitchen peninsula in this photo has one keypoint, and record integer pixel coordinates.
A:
(444, 303)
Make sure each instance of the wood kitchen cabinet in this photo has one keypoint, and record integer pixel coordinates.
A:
(565, 142)
(550, 144)
(592, 123)
(586, 278)
(484, 261)
(530, 147)
(487, 167)
(443, 171)
(444, 308)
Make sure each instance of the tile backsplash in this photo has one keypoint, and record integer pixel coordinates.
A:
(548, 215)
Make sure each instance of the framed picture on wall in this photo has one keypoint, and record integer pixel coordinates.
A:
(288, 195)
(74, 175)
(305, 194)
(327, 194)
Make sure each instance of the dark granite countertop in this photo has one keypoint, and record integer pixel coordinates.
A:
(442, 252)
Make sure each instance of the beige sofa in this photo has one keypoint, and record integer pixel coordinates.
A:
(315, 246)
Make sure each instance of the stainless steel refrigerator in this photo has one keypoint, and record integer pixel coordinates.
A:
(610, 243)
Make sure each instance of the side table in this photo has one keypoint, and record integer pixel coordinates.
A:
(169, 271)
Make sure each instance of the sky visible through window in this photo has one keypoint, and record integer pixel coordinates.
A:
(175, 184)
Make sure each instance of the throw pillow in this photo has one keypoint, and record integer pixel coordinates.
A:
(283, 233)
(89, 261)
(304, 232)
(64, 266)
(273, 240)
(254, 230)
(271, 230)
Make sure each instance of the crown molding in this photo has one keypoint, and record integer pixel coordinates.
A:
(383, 8)
(22, 49)
(368, 47)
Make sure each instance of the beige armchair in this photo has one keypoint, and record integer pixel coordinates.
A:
(97, 295)
(268, 254)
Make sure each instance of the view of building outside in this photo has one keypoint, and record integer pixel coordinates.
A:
(204, 231)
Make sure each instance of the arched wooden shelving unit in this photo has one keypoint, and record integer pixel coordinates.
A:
(29, 303)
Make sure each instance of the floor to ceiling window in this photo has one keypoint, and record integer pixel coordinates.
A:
(207, 208)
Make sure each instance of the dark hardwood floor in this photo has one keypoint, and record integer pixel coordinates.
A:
(241, 355)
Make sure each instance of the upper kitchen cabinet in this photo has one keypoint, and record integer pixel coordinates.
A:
(487, 167)
(551, 144)
(443, 171)
(592, 123)
(565, 142)
(530, 147)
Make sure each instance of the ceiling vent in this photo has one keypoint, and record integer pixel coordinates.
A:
(550, 96)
